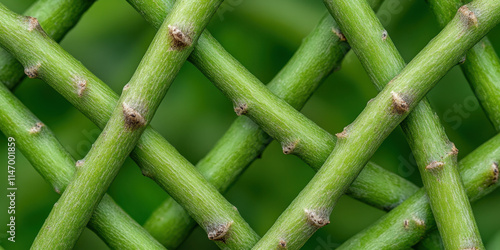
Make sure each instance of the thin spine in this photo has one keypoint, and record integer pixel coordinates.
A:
(425, 134)
(170, 170)
(57, 167)
(479, 173)
(378, 119)
(244, 141)
(56, 17)
(125, 127)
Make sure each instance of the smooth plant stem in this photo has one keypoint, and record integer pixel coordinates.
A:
(405, 225)
(157, 158)
(357, 143)
(55, 164)
(434, 153)
(136, 108)
(481, 66)
(320, 52)
(56, 17)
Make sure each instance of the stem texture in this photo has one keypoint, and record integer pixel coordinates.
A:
(319, 54)
(56, 17)
(55, 164)
(311, 209)
(481, 67)
(157, 158)
(434, 153)
(408, 223)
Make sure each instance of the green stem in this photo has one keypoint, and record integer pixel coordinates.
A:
(320, 52)
(157, 158)
(481, 67)
(434, 153)
(482, 71)
(405, 225)
(53, 162)
(56, 17)
(311, 209)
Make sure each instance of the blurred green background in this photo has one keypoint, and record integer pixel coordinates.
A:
(111, 39)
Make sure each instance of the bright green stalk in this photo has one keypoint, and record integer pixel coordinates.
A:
(319, 54)
(311, 209)
(56, 17)
(434, 153)
(157, 158)
(54, 163)
(481, 67)
(405, 225)
(136, 107)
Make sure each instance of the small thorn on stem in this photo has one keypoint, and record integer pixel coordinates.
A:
(32, 71)
(219, 232)
(282, 244)
(339, 34)
(289, 147)
(241, 109)
(434, 165)
(416, 221)
(384, 35)
(317, 218)
(494, 173)
(467, 16)
(180, 39)
(133, 119)
(399, 104)
(454, 150)
(126, 87)
(33, 23)
(81, 85)
(37, 128)
(343, 134)
(79, 163)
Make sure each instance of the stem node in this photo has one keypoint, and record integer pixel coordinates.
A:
(32, 71)
(133, 119)
(318, 218)
(399, 104)
(339, 33)
(290, 147)
(241, 109)
(434, 165)
(218, 232)
(37, 128)
(467, 16)
(179, 38)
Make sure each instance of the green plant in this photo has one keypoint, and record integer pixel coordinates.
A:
(265, 114)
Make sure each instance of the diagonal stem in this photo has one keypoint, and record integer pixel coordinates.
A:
(56, 17)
